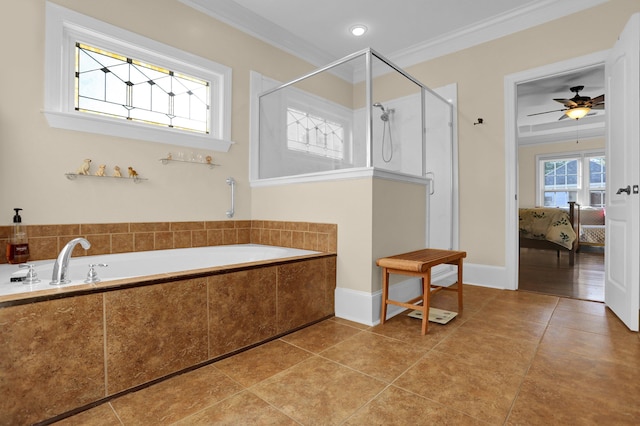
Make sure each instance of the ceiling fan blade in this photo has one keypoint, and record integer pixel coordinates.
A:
(599, 106)
(546, 112)
(563, 117)
(597, 100)
(569, 103)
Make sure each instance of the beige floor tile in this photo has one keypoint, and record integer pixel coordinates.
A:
(174, 399)
(483, 394)
(408, 330)
(318, 391)
(602, 324)
(507, 310)
(584, 306)
(398, 407)
(350, 323)
(543, 402)
(378, 356)
(102, 415)
(598, 378)
(259, 363)
(321, 336)
(623, 348)
(242, 409)
(513, 329)
(489, 351)
(527, 298)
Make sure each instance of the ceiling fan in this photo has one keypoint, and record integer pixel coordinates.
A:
(578, 106)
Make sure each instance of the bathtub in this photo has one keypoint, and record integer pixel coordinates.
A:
(155, 263)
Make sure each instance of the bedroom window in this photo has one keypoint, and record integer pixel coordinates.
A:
(579, 177)
(106, 80)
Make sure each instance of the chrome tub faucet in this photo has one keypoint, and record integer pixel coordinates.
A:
(61, 266)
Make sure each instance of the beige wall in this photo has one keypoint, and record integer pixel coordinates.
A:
(527, 164)
(34, 157)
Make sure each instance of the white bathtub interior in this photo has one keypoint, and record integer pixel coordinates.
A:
(144, 263)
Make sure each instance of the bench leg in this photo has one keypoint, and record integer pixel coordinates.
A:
(460, 285)
(385, 295)
(426, 300)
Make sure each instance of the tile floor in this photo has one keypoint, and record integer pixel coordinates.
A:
(511, 358)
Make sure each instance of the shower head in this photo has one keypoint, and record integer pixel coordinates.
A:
(379, 105)
(385, 112)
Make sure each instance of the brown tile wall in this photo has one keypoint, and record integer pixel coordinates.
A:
(46, 241)
(54, 353)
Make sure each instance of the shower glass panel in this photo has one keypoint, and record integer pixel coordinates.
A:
(361, 112)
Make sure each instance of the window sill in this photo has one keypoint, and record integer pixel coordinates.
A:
(125, 129)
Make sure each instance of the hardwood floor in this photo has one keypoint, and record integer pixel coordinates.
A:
(541, 271)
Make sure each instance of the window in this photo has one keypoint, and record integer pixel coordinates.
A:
(103, 79)
(117, 86)
(576, 177)
(314, 135)
(597, 173)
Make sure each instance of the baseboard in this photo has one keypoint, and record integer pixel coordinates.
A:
(364, 308)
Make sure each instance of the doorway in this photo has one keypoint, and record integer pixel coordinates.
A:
(540, 270)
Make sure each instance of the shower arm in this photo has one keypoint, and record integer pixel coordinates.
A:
(232, 183)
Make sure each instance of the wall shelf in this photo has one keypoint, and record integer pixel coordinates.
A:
(74, 176)
(166, 161)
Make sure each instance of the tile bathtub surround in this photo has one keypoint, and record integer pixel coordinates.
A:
(46, 241)
(51, 358)
(59, 355)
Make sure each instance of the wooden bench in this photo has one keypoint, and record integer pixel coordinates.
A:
(418, 264)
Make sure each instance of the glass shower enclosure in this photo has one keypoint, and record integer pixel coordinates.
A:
(361, 112)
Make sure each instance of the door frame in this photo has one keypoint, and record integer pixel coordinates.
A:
(511, 82)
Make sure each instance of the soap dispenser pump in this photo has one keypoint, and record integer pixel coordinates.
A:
(18, 245)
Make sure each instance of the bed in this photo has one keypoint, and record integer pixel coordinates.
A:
(551, 228)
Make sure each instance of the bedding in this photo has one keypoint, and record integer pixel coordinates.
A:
(550, 224)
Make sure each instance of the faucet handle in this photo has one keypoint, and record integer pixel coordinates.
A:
(92, 275)
(31, 277)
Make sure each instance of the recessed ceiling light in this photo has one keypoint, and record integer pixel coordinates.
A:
(358, 30)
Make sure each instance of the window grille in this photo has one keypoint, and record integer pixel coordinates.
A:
(115, 85)
(314, 135)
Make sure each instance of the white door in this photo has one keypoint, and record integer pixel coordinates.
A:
(622, 245)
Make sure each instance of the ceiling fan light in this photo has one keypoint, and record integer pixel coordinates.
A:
(577, 113)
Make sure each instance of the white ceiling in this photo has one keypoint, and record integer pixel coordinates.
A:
(408, 32)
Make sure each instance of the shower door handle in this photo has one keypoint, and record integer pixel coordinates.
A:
(432, 182)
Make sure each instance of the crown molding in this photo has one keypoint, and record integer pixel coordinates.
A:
(243, 19)
(491, 29)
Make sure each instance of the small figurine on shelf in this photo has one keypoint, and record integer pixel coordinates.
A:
(169, 156)
(116, 172)
(132, 173)
(208, 159)
(84, 168)
(100, 171)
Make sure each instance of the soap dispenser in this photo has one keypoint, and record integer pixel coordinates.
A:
(18, 245)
